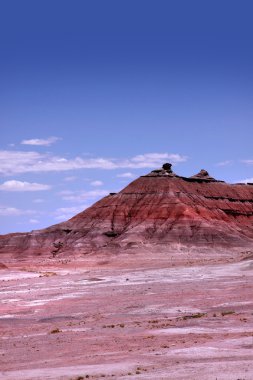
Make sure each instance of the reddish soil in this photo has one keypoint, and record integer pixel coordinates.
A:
(154, 282)
(128, 317)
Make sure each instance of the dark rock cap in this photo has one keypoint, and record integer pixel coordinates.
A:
(167, 167)
(164, 171)
(203, 174)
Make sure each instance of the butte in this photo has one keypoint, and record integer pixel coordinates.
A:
(158, 212)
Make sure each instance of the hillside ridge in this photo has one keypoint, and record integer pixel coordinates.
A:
(160, 210)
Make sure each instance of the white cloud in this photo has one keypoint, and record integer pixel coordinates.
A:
(126, 175)
(41, 142)
(225, 163)
(12, 211)
(70, 178)
(247, 180)
(34, 221)
(38, 200)
(64, 213)
(9, 211)
(247, 162)
(96, 183)
(80, 196)
(14, 185)
(17, 162)
(156, 158)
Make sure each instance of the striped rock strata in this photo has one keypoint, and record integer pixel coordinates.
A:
(160, 210)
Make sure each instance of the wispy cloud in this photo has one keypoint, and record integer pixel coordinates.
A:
(96, 183)
(151, 159)
(247, 162)
(70, 178)
(38, 200)
(14, 185)
(81, 196)
(126, 175)
(64, 213)
(41, 142)
(247, 180)
(34, 221)
(13, 211)
(225, 163)
(17, 162)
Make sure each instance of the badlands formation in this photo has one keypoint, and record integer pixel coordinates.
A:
(154, 282)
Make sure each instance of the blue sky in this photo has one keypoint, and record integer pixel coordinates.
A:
(95, 93)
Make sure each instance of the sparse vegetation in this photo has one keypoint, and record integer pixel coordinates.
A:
(55, 331)
(229, 312)
(197, 315)
(122, 325)
(47, 274)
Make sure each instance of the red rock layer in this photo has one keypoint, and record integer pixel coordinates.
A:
(158, 209)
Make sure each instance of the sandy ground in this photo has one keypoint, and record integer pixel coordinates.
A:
(126, 318)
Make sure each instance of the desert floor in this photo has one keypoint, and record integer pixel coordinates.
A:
(129, 317)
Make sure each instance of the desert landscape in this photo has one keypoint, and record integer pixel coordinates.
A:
(126, 190)
(154, 282)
